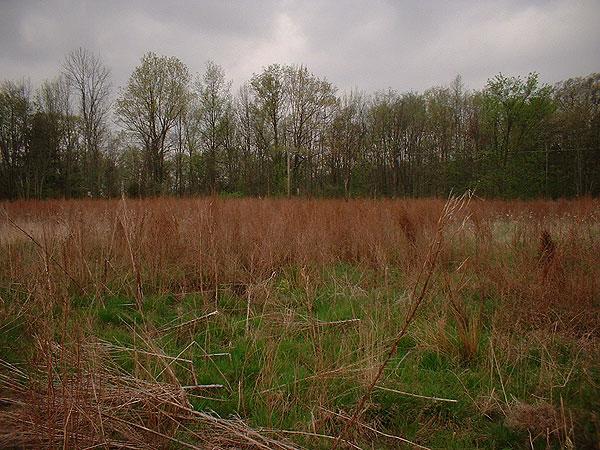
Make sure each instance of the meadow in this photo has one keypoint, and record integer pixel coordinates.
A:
(300, 323)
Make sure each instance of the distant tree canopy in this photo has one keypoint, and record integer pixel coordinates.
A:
(290, 132)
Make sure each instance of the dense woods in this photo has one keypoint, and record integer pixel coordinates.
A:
(290, 132)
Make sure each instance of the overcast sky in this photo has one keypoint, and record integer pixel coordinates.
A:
(369, 45)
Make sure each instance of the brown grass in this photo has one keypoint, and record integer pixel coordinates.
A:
(179, 246)
(90, 402)
(537, 262)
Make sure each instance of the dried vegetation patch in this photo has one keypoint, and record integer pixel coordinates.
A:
(271, 323)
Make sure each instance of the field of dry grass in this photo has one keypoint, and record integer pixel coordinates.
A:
(272, 323)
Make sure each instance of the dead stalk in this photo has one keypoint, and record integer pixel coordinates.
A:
(452, 207)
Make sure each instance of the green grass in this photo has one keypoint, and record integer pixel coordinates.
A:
(279, 370)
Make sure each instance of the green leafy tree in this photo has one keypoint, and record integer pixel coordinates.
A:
(573, 158)
(311, 101)
(155, 97)
(515, 114)
(269, 109)
(214, 115)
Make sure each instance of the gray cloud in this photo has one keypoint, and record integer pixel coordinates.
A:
(364, 44)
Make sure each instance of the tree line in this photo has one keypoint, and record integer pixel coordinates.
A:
(290, 132)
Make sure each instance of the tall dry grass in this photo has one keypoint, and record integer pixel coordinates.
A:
(537, 261)
(179, 246)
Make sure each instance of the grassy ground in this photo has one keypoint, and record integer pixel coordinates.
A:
(280, 313)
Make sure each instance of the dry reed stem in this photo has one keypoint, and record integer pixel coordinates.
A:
(410, 394)
(452, 207)
(381, 433)
(47, 256)
(109, 408)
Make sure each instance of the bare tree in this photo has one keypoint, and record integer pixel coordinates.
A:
(90, 80)
(347, 138)
(16, 108)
